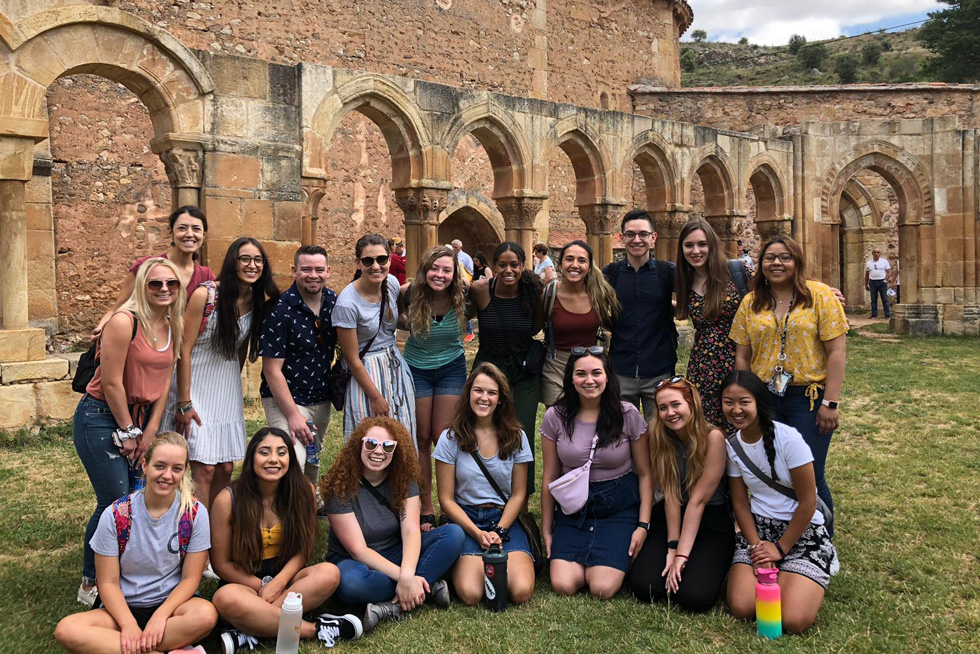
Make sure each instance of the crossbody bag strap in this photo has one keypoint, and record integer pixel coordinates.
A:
(486, 473)
(382, 500)
(381, 319)
(754, 469)
(595, 441)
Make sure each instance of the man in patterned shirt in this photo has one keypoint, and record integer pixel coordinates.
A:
(297, 349)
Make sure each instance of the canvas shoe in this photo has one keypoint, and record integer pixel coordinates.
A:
(381, 612)
(87, 597)
(331, 628)
(233, 641)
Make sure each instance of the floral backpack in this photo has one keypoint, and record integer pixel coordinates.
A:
(122, 516)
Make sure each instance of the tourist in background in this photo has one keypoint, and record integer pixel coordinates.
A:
(485, 426)
(188, 229)
(594, 547)
(222, 325)
(118, 417)
(544, 267)
(792, 331)
(877, 271)
(692, 537)
(397, 266)
(481, 267)
(583, 307)
(434, 311)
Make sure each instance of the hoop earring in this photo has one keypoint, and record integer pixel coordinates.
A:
(173, 244)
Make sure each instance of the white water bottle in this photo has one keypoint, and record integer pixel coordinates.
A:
(290, 621)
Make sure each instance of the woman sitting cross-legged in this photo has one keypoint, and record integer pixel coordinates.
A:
(776, 531)
(485, 441)
(594, 546)
(150, 551)
(264, 526)
(692, 537)
(372, 502)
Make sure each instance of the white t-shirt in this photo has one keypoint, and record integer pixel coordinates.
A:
(472, 487)
(791, 452)
(877, 270)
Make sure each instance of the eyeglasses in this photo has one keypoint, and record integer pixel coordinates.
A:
(157, 284)
(629, 236)
(594, 350)
(258, 262)
(784, 257)
(371, 444)
(670, 380)
(367, 262)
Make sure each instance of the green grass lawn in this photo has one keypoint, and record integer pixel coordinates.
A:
(904, 468)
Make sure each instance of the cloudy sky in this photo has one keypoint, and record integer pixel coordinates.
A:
(772, 22)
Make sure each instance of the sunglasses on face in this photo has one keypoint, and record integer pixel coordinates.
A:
(595, 350)
(669, 380)
(367, 262)
(371, 444)
(157, 284)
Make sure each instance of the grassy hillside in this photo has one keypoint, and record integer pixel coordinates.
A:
(728, 64)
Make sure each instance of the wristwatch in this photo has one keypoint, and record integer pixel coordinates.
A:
(830, 404)
(645, 526)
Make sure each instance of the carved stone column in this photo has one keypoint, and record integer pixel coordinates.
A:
(769, 228)
(184, 170)
(519, 214)
(421, 207)
(313, 189)
(728, 226)
(668, 224)
(601, 225)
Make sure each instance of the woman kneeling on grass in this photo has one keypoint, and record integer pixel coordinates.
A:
(150, 551)
(692, 537)
(485, 441)
(372, 502)
(264, 527)
(776, 531)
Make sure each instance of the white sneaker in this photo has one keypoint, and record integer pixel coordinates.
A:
(87, 597)
(210, 574)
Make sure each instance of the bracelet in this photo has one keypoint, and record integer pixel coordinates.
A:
(681, 556)
(185, 407)
(672, 544)
(780, 548)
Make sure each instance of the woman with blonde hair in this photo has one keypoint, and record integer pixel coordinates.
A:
(692, 537)
(118, 417)
(371, 494)
(433, 308)
(580, 307)
(150, 550)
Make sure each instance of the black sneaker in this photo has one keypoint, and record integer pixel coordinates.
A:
(331, 628)
(233, 641)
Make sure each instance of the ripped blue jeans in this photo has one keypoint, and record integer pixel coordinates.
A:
(107, 469)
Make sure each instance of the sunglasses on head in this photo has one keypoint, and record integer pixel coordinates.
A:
(157, 284)
(367, 262)
(371, 444)
(667, 381)
(594, 350)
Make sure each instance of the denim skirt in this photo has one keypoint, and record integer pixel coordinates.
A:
(485, 518)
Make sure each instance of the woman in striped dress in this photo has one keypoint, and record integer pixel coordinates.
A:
(223, 327)
(365, 317)
(434, 310)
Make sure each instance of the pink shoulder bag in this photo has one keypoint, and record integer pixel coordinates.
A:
(571, 490)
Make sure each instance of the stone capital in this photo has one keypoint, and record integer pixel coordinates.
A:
(601, 218)
(313, 189)
(422, 205)
(669, 223)
(184, 167)
(770, 228)
(519, 212)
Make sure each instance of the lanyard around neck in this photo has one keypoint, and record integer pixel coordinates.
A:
(782, 332)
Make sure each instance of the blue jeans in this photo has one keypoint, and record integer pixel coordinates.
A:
(360, 584)
(879, 287)
(107, 469)
(793, 409)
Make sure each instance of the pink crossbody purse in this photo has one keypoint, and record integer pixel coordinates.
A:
(571, 490)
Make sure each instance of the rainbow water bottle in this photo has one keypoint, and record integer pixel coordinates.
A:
(768, 609)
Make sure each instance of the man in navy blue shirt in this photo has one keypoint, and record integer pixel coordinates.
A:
(297, 348)
(643, 347)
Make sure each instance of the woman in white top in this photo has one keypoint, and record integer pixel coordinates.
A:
(776, 530)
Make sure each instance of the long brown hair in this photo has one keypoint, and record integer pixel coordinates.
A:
(717, 267)
(420, 299)
(345, 475)
(504, 418)
(762, 297)
(294, 504)
(665, 441)
(602, 296)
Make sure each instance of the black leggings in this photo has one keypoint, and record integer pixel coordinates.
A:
(709, 562)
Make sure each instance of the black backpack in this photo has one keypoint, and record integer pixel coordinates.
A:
(736, 267)
(666, 274)
(88, 362)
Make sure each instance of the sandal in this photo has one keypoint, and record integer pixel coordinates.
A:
(427, 519)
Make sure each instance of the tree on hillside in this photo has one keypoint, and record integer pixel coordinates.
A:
(846, 67)
(953, 35)
(743, 41)
(812, 56)
(699, 35)
(871, 52)
(796, 42)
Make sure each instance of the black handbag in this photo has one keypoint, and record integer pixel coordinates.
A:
(533, 362)
(339, 374)
(88, 362)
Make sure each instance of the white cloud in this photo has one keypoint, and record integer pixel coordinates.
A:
(772, 22)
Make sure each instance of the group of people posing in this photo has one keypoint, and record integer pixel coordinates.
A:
(164, 409)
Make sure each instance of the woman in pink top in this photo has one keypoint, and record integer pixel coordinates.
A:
(119, 414)
(188, 229)
(595, 546)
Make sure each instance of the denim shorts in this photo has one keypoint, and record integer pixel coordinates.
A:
(444, 380)
(485, 518)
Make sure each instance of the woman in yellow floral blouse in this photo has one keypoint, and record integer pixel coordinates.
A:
(791, 332)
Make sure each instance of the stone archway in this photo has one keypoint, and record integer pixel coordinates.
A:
(650, 156)
(473, 221)
(717, 182)
(860, 232)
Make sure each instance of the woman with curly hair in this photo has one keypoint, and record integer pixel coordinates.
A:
(372, 502)
(264, 527)
(485, 426)
(509, 308)
(692, 537)
(583, 308)
(434, 310)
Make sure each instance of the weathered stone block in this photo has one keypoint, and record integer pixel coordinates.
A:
(21, 345)
(51, 369)
(273, 122)
(39, 216)
(235, 171)
(283, 84)
(72, 359)
(257, 219)
(230, 116)
(289, 221)
(239, 76)
(56, 400)
(280, 174)
(224, 219)
(19, 406)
